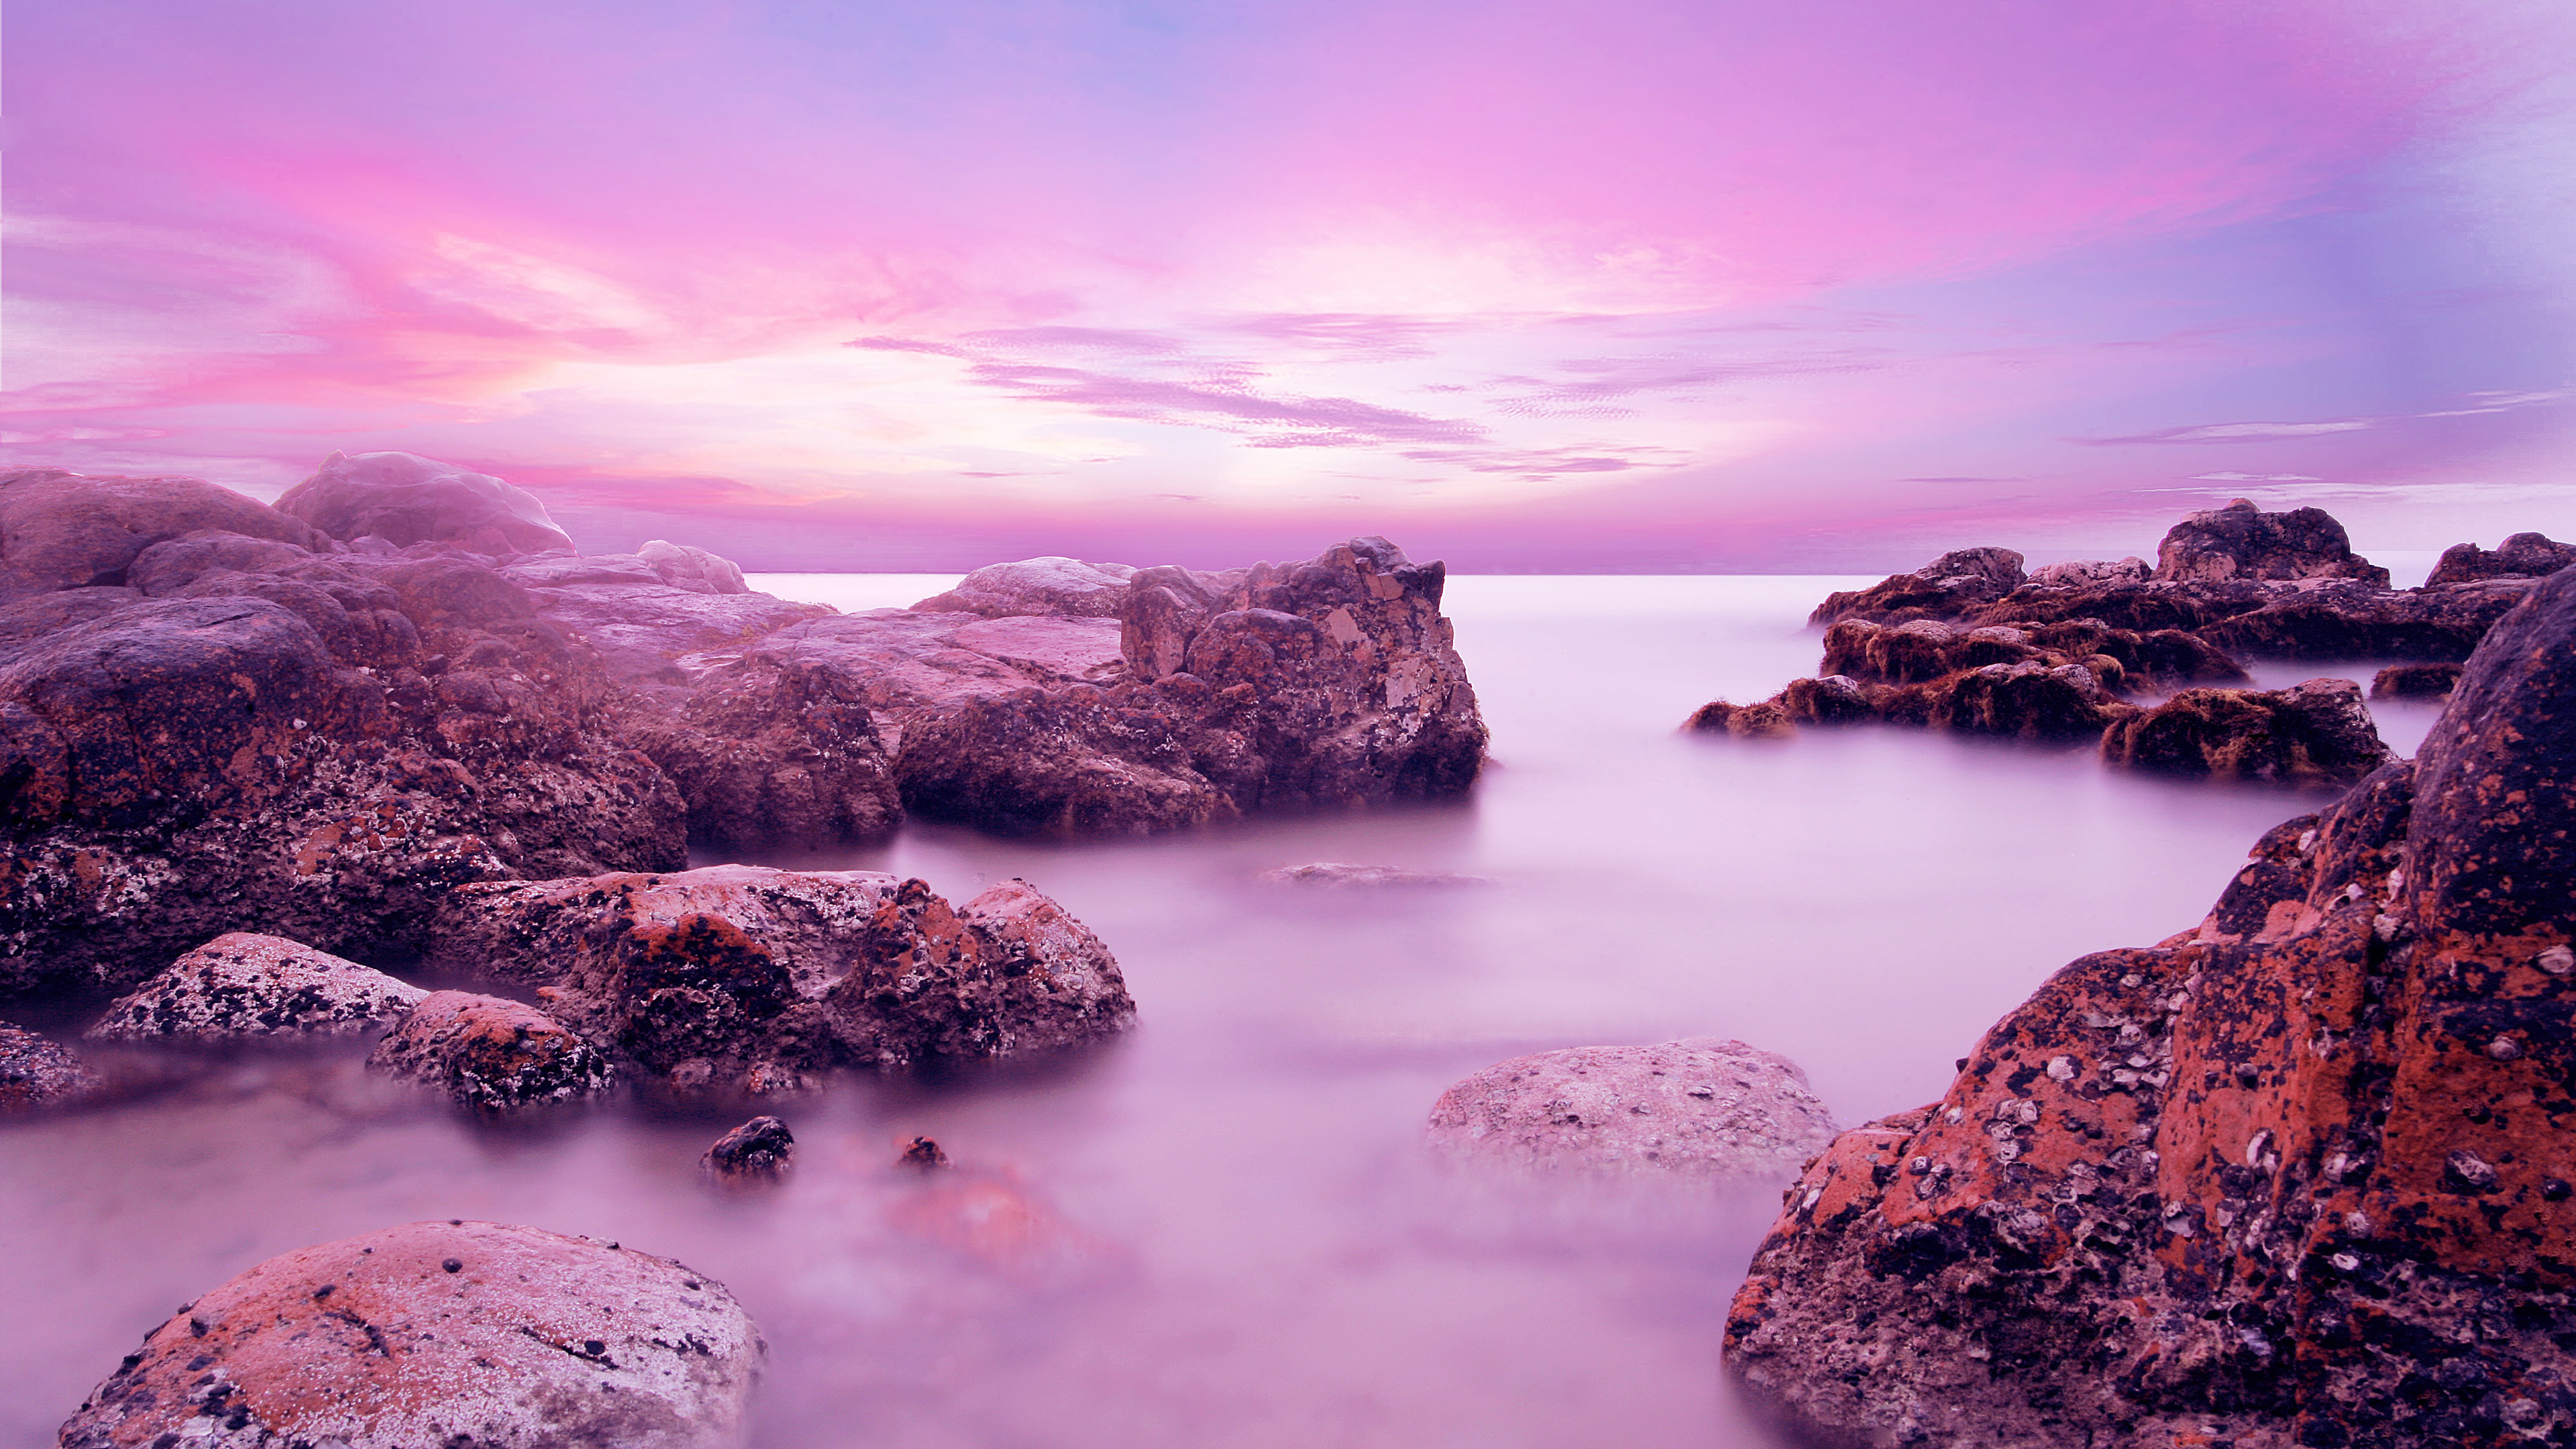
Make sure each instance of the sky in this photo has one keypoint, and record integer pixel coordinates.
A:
(1532, 285)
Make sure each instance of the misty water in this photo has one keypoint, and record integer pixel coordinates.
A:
(1220, 1233)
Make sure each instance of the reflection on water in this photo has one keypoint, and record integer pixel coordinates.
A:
(1219, 1232)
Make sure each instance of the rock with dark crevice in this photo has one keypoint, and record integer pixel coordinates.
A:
(441, 1333)
(2316, 733)
(2241, 541)
(2295, 1177)
(491, 1054)
(244, 985)
(2415, 681)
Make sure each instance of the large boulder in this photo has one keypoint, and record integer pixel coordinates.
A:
(1051, 585)
(2296, 1177)
(405, 499)
(752, 978)
(2316, 733)
(64, 530)
(37, 1071)
(491, 1054)
(1945, 588)
(2523, 555)
(1701, 1107)
(2241, 541)
(446, 1334)
(242, 984)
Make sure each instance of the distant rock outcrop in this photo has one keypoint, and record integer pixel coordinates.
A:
(2524, 555)
(441, 1333)
(405, 499)
(1700, 1107)
(2241, 541)
(1064, 587)
(2297, 1177)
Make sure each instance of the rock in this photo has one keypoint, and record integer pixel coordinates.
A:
(37, 1071)
(761, 1149)
(708, 977)
(772, 748)
(1946, 587)
(2241, 541)
(63, 530)
(2352, 621)
(1337, 875)
(1088, 762)
(407, 499)
(2414, 681)
(175, 563)
(2295, 1177)
(2524, 555)
(2316, 733)
(245, 985)
(490, 1053)
(1924, 650)
(683, 566)
(1700, 1107)
(2083, 573)
(645, 624)
(1051, 585)
(922, 1155)
(464, 1333)
(1764, 721)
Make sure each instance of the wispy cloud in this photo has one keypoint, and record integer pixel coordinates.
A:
(2236, 432)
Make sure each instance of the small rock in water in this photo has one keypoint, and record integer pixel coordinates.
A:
(249, 985)
(2414, 681)
(38, 1071)
(1699, 1107)
(1340, 875)
(487, 1334)
(923, 1154)
(491, 1053)
(761, 1148)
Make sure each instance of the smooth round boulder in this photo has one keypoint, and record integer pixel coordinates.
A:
(64, 530)
(441, 1334)
(1701, 1107)
(405, 499)
(1051, 585)
(243, 984)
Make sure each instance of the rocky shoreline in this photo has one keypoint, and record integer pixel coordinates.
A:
(2145, 663)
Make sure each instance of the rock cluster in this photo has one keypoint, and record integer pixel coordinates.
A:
(2296, 1177)
(457, 1333)
(321, 718)
(1699, 1107)
(243, 985)
(1971, 644)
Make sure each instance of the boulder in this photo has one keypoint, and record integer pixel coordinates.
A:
(175, 563)
(684, 566)
(1700, 1107)
(2241, 541)
(2296, 1177)
(1767, 720)
(1006, 974)
(407, 499)
(2414, 681)
(1051, 585)
(2090, 572)
(2316, 733)
(490, 1053)
(1923, 650)
(2353, 621)
(64, 530)
(1947, 587)
(246, 985)
(37, 1071)
(441, 1333)
(759, 1150)
(771, 747)
(1340, 876)
(2524, 555)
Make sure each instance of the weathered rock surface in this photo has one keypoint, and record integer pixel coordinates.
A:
(1052, 585)
(1926, 649)
(2316, 733)
(2414, 681)
(1703, 1106)
(63, 530)
(1944, 588)
(441, 1334)
(759, 1150)
(2298, 1177)
(2241, 541)
(37, 1071)
(491, 1053)
(404, 499)
(242, 984)
(1341, 875)
(2085, 572)
(743, 975)
(2524, 555)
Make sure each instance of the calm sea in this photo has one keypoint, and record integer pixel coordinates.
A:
(1219, 1234)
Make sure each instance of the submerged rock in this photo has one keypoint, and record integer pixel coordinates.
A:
(1703, 1106)
(2316, 733)
(490, 1053)
(761, 1149)
(2297, 1177)
(1339, 875)
(1051, 585)
(446, 1334)
(2414, 681)
(37, 1071)
(246, 985)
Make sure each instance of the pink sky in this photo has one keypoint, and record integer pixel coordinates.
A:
(1631, 285)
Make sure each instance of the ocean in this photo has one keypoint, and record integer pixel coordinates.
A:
(1221, 1232)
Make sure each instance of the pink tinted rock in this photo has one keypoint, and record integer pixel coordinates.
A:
(247, 985)
(37, 1071)
(407, 499)
(65, 530)
(1052, 585)
(1698, 1107)
(437, 1333)
(490, 1053)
